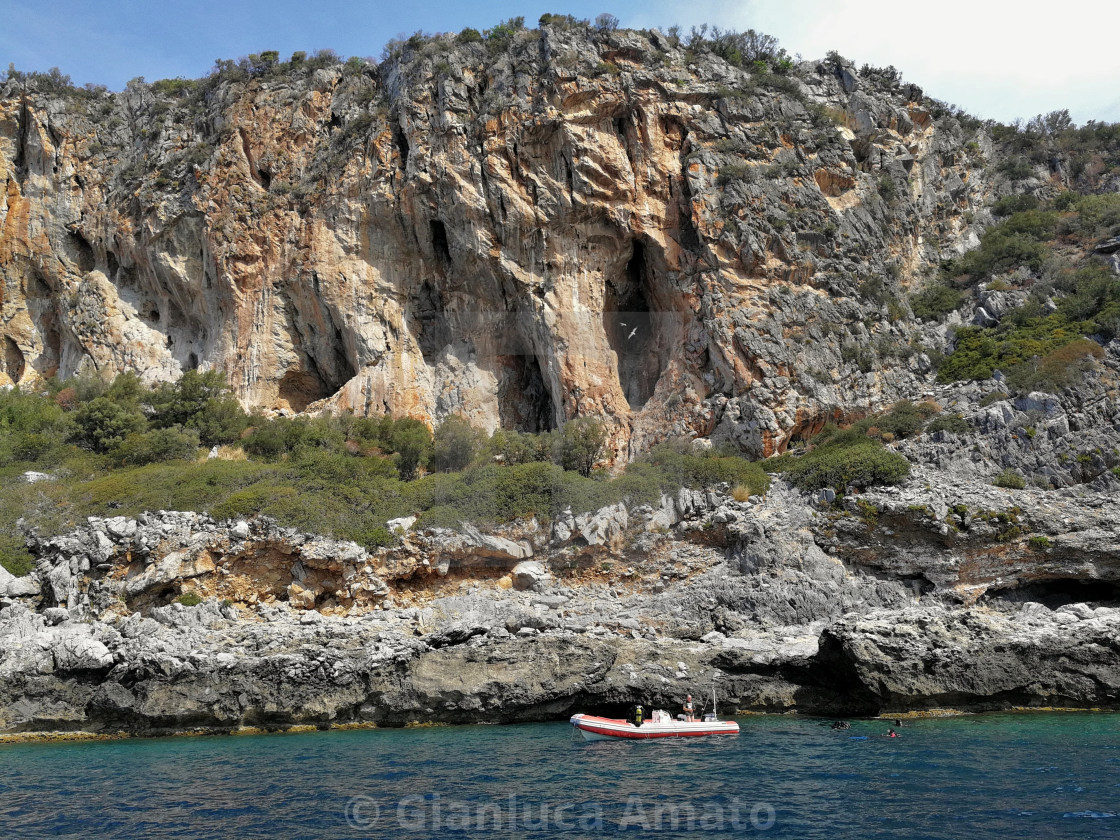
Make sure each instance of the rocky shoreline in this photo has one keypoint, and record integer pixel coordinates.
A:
(896, 601)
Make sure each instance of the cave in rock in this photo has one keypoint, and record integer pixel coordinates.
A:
(13, 359)
(1058, 592)
(439, 241)
(524, 401)
(632, 329)
(402, 143)
(433, 332)
(300, 387)
(83, 252)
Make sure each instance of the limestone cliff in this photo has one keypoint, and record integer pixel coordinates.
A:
(577, 223)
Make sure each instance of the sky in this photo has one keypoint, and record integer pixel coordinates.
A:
(998, 59)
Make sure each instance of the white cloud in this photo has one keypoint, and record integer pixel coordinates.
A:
(995, 59)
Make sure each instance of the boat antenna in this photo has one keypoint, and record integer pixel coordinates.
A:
(715, 709)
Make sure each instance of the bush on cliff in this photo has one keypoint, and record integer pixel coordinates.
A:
(1036, 353)
(14, 556)
(102, 424)
(936, 301)
(173, 444)
(844, 458)
(1021, 240)
(455, 444)
(675, 467)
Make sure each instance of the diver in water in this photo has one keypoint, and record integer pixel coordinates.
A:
(891, 734)
(841, 724)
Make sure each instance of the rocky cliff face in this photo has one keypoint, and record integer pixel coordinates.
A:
(580, 223)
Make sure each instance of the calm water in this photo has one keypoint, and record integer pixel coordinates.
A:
(1013, 776)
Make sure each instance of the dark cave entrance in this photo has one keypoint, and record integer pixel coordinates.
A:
(82, 251)
(13, 359)
(1059, 592)
(402, 143)
(524, 401)
(440, 245)
(632, 328)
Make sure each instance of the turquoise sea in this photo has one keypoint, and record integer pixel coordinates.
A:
(989, 776)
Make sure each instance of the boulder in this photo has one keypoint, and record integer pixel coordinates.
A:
(401, 524)
(81, 653)
(604, 525)
(530, 575)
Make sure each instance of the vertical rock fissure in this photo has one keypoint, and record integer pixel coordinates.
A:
(433, 332)
(402, 144)
(630, 328)
(21, 141)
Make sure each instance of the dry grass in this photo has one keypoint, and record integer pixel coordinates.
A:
(232, 453)
(740, 493)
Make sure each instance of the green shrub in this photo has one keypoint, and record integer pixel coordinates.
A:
(1009, 479)
(1096, 216)
(455, 444)
(1039, 543)
(14, 556)
(936, 301)
(250, 502)
(606, 22)
(199, 401)
(581, 443)
(102, 424)
(1018, 241)
(189, 599)
(174, 444)
(902, 420)
(979, 352)
(521, 448)
(952, 423)
(1014, 204)
(173, 87)
(678, 468)
(1017, 169)
(412, 442)
(843, 459)
(1061, 368)
(887, 188)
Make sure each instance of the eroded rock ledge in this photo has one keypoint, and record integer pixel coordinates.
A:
(528, 624)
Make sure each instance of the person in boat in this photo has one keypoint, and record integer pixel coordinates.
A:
(689, 709)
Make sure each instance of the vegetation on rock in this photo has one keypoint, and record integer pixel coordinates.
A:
(119, 448)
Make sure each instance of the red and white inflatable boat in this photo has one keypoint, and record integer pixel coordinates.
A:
(660, 725)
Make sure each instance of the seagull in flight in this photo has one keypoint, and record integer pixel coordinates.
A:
(631, 333)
